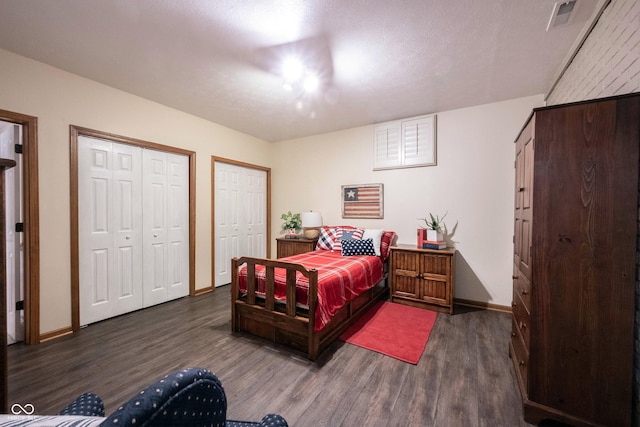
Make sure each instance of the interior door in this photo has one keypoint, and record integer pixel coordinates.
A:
(227, 220)
(166, 227)
(240, 216)
(255, 228)
(10, 135)
(110, 242)
(178, 225)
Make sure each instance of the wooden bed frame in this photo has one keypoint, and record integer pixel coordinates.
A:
(287, 323)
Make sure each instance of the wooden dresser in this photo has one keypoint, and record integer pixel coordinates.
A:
(289, 247)
(576, 219)
(422, 277)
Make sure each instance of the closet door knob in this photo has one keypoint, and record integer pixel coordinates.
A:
(155, 234)
(127, 237)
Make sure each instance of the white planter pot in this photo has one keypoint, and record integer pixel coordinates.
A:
(434, 236)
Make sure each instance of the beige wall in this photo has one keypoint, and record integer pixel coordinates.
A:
(60, 99)
(473, 182)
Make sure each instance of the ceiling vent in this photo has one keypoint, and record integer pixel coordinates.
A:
(563, 13)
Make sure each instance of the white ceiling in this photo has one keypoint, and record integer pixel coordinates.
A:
(386, 59)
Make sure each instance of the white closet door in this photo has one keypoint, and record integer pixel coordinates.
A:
(240, 216)
(227, 220)
(10, 135)
(109, 192)
(255, 208)
(127, 227)
(166, 230)
(178, 225)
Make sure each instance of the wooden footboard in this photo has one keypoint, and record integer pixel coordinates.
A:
(289, 323)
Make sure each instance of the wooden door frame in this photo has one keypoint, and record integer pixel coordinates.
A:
(215, 159)
(74, 133)
(31, 221)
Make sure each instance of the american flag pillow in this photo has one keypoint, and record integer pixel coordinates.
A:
(326, 238)
(354, 247)
(346, 233)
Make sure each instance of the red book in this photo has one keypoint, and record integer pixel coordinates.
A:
(422, 236)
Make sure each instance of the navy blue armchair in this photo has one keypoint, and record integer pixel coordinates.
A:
(190, 397)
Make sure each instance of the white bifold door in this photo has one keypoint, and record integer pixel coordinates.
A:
(240, 216)
(10, 137)
(133, 228)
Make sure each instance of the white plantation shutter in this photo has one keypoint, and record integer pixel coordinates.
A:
(405, 143)
(386, 145)
(417, 137)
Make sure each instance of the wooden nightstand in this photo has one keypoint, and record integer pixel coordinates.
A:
(422, 277)
(289, 247)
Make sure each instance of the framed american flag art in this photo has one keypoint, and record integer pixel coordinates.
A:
(363, 201)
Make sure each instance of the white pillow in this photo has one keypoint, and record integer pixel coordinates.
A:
(376, 235)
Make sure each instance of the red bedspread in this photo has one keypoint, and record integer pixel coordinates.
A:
(340, 280)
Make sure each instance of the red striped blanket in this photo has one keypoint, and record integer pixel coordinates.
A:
(340, 280)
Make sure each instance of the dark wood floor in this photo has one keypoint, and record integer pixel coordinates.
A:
(464, 377)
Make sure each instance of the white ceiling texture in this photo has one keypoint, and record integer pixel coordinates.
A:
(379, 60)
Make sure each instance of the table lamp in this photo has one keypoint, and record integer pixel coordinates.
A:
(311, 223)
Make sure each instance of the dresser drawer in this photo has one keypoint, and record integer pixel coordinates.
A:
(522, 287)
(521, 317)
(521, 354)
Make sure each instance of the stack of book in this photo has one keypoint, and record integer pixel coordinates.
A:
(424, 243)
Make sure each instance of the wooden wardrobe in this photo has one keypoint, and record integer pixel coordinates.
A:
(574, 272)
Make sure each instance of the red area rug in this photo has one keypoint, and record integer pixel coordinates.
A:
(392, 329)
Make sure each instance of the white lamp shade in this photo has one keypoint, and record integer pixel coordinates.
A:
(311, 219)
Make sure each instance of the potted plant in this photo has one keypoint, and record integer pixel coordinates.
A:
(434, 226)
(292, 222)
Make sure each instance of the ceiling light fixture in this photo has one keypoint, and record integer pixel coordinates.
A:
(296, 76)
(292, 70)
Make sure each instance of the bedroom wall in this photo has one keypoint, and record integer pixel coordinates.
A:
(60, 99)
(473, 181)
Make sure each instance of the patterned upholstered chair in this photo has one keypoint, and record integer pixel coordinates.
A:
(190, 397)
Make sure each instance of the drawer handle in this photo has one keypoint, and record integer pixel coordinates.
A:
(522, 363)
(513, 304)
(514, 277)
(523, 325)
(524, 292)
(513, 334)
(521, 189)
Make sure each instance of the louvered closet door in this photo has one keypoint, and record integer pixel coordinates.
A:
(166, 226)
(110, 244)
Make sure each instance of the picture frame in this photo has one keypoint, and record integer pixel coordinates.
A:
(363, 201)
